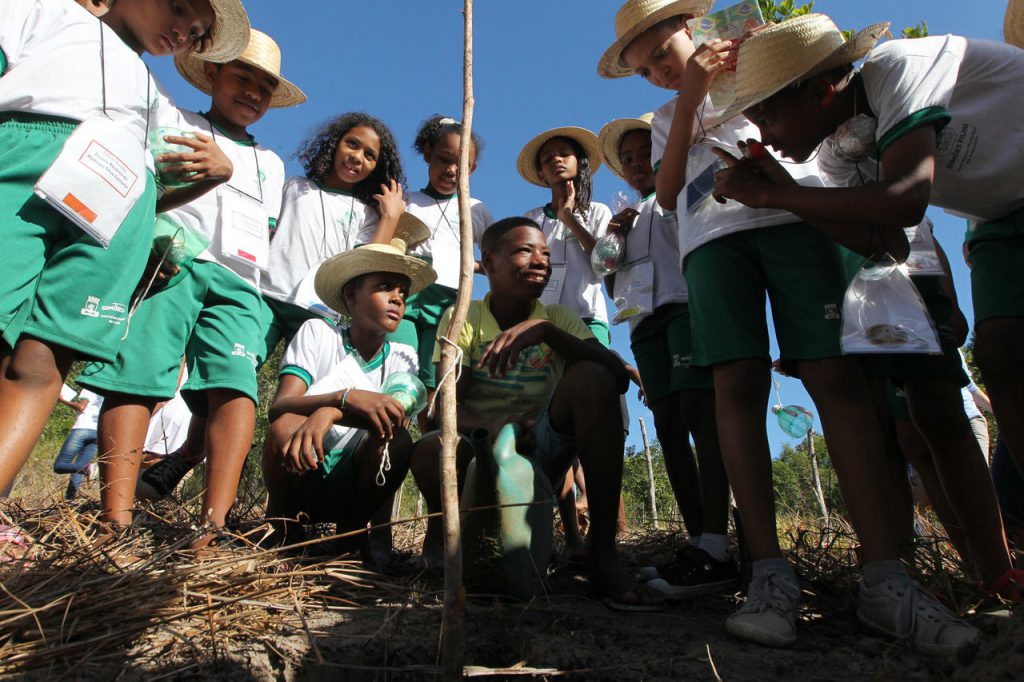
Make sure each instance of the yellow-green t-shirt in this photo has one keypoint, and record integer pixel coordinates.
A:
(526, 388)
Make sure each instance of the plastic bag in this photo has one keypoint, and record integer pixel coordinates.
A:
(924, 257)
(607, 255)
(884, 313)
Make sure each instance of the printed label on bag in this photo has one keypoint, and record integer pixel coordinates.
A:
(109, 167)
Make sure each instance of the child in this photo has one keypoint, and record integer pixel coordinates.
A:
(79, 448)
(337, 448)
(564, 160)
(351, 195)
(732, 256)
(65, 296)
(437, 205)
(929, 110)
(650, 293)
(211, 311)
(540, 366)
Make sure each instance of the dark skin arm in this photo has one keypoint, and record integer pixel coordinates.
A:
(203, 169)
(958, 321)
(375, 412)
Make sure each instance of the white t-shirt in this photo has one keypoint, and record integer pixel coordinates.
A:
(168, 428)
(581, 292)
(701, 218)
(315, 224)
(655, 239)
(971, 86)
(970, 407)
(321, 355)
(258, 173)
(441, 215)
(53, 66)
(89, 419)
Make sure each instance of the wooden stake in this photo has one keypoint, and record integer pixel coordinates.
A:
(650, 472)
(453, 635)
(815, 477)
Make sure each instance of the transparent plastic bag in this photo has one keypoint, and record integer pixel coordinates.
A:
(884, 313)
(924, 257)
(607, 254)
(175, 242)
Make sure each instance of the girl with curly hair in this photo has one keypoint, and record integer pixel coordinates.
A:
(351, 195)
(438, 141)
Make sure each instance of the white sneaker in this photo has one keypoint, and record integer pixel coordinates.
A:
(769, 615)
(902, 609)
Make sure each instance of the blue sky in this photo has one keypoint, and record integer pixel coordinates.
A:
(535, 68)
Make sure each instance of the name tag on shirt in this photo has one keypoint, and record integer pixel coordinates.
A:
(553, 291)
(244, 232)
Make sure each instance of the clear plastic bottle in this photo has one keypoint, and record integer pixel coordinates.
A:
(794, 420)
(408, 390)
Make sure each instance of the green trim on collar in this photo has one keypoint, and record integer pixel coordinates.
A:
(272, 222)
(434, 194)
(657, 165)
(550, 213)
(3, 62)
(331, 190)
(297, 372)
(931, 115)
(649, 196)
(375, 362)
(249, 140)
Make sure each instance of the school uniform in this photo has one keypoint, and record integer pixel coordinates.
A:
(442, 250)
(211, 312)
(573, 283)
(58, 64)
(316, 223)
(322, 356)
(733, 254)
(650, 293)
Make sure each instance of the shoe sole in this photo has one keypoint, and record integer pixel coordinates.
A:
(682, 592)
(934, 650)
(758, 635)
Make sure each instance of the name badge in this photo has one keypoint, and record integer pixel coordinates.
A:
(634, 293)
(97, 178)
(553, 291)
(244, 233)
(923, 258)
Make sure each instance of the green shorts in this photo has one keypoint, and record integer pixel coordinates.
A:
(207, 314)
(600, 330)
(899, 408)
(662, 349)
(898, 367)
(58, 284)
(282, 321)
(996, 250)
(329, 493)
(418, 328)
(801, 272)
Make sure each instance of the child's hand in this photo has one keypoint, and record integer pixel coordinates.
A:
(159, 270)
(742, 181)
(390, 200)
(207, 161)
(706, 62)
(623, 222)
(564, 200)
(382, 411)
(502, 353)
(761, 159)
(304, 451)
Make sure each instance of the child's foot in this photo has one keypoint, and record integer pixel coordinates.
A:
(620, 589)
(15, 544)
(695, 572)
(902, 609)
(768, 616)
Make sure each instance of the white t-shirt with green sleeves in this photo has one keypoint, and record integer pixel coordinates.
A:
(582, 292)
(701, 218)
(258, 172)
(51, 65)
(969, 88)
(441, 215)
(525, 389)
(315, 224)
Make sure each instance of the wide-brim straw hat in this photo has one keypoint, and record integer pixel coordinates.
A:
(262, 53)
(527, 162)
(635, 17)
(610, 139)
(337, 271)
(1013, 23)
(230, 31)
(789, 52)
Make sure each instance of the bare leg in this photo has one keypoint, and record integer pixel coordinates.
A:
(714, 483)
(283, 499)
(124, 421)
(902, 503)
(567, 512)
(673, 424)
(425, 464)
(30, 379)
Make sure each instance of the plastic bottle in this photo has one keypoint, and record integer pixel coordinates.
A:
(794, 420)
(408, 390)
(608, 253)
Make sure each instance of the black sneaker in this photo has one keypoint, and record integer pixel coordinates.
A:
(157, 482)
(695, 572)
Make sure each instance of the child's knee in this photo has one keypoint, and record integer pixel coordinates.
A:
(590, 383)
(34, 364)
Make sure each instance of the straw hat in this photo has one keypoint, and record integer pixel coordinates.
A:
(527, 162)
(230, 31)
(635, 17)
(786, 53)
(411, 230)
(1013, 23)
(337, 271)
(610, 138)
(262, 52)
